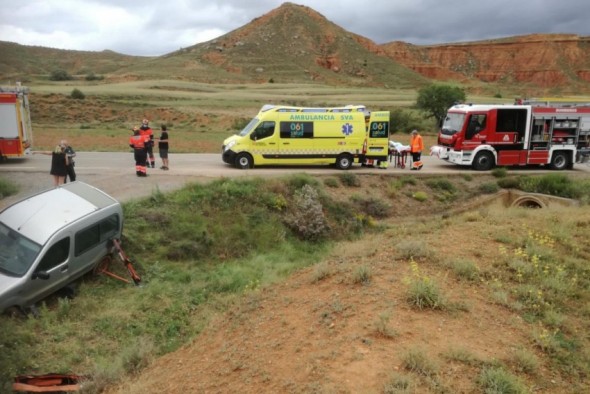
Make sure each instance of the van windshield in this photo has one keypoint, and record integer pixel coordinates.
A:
(17, 253)
(249, 127)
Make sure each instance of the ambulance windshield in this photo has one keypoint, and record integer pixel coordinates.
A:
(17, 253)
(249, 127)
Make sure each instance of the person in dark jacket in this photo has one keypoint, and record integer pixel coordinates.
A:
(163, 147)
(70, 153)
(59, 163)
(145, 130)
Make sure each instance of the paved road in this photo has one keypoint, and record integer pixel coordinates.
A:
(114, 172)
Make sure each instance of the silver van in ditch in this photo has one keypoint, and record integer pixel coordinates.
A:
(50, 239)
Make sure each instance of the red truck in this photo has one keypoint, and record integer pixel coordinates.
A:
(16, 134)
(526, 133)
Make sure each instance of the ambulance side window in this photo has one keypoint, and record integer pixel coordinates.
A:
(264, 130)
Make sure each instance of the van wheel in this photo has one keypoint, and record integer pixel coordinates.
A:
(15, 312)
(484, 161)
(344, 162)
(559, 161)
(244, 161)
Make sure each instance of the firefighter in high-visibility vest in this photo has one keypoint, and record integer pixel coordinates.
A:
(416, 148)
(144, 130)
(139, 144)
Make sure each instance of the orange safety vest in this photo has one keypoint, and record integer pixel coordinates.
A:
(416, 144)
(139, 141)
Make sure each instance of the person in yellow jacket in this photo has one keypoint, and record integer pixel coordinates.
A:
(416, 148)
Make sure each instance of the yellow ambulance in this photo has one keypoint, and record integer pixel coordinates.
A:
(282, 135)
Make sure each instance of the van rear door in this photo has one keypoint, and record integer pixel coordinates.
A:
(378, 136)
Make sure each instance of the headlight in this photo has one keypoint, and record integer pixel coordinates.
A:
(229, 145)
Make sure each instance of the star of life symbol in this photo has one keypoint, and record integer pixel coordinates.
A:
(347, 129)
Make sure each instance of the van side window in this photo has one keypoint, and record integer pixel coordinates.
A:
(264, 129)
(109, 227)
(91, 236)
(56, 255)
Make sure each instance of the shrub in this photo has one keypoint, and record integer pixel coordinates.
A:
(59, 75)
(331, 182)
(77, 94)
(417, 361)
(7, 188)
(348, 179)
(441, 184)
(497, 380)
(499, 172)
(374, 207)
(488, 188)
(509, 183)
(93, 77)
(361, 275)
(466, 269)
(420, 196)
(307, 218)
(423, 292)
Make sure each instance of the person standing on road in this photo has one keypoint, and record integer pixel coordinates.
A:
(145, 130)
(163, 147)
(59, 163)
(416, 148)
(139, 144)
(70, 153)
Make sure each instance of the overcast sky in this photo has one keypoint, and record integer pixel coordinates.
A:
(158, 27)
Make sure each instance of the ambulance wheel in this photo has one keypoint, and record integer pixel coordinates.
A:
(344, 162)
(559, 161)
(244, 161)
(484, 161)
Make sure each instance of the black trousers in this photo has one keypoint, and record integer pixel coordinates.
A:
(71, 173)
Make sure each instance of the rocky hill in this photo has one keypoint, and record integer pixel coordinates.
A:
(535, 61)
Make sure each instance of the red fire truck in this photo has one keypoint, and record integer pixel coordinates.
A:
(16, 134)
(527, 133)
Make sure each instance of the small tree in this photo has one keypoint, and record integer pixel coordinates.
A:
(59, 75)
(436, 99)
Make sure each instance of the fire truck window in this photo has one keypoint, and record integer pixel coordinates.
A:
(511, 120)
(476, 124)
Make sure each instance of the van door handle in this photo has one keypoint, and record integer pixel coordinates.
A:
(64, 268)
(286, 143)
(272, 143)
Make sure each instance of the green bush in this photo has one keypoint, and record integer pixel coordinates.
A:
(93, 77)
(349, 179)
(509, 183)
(77, 94)
(60, 75)
(375, 207)
(499, 172)
(488, 188)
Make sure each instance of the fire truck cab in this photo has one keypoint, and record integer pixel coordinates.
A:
(16, 133)
(483, 136)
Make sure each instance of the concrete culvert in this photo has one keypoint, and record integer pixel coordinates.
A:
(528, 202)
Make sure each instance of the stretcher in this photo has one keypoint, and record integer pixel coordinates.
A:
(398, 158)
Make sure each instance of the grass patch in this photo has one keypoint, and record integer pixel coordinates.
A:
(495, 380)
(7, 188)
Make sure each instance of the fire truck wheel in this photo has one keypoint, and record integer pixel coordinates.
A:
(244, 161)
(559, 161)
(484, 161)
(344, 162)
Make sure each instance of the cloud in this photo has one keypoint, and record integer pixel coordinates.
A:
(154, 28)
